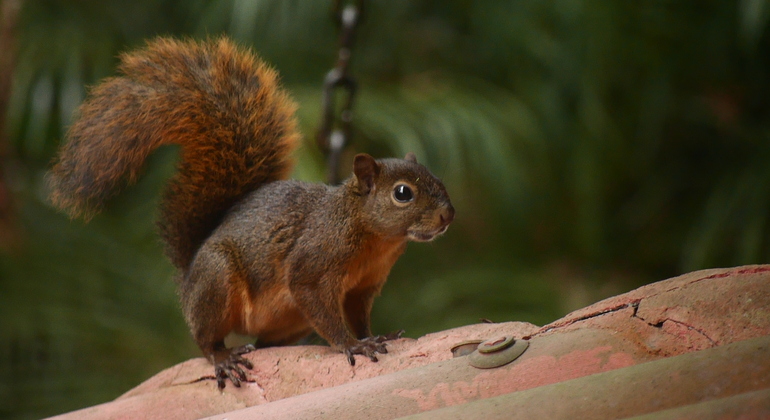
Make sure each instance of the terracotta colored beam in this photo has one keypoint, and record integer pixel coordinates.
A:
(681, 381)
(750, 405)
(693, 312)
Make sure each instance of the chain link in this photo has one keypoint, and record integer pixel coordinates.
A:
(335, 130)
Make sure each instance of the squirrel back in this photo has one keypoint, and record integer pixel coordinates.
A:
(219, 102)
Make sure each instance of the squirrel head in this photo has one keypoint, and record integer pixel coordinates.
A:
(401, 198)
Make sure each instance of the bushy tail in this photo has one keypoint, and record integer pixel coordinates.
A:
(219, 102)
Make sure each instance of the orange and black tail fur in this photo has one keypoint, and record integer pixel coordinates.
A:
(219, 102)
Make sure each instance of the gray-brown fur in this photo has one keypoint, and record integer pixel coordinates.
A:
(256, 254)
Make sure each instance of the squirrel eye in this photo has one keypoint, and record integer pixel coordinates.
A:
(403, 194)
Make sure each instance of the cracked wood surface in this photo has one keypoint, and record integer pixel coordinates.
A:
(692, 312)
(689, 313)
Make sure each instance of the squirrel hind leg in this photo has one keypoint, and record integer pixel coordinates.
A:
(212, 298)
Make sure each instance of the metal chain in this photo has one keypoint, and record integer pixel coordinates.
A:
(335, 130)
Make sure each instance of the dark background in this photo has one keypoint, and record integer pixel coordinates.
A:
(589, 148)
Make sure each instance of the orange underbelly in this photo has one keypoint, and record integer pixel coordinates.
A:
(272, 317)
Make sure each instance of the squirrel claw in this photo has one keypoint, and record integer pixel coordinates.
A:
(395, 335)
(229, 366)
(248, 348)
(370, 346)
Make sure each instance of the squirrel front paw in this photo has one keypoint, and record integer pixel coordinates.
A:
(370, 346)
(228, 366)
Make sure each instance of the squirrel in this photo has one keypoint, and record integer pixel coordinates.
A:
(255, 253)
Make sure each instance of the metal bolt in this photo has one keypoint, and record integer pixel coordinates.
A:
(497, 352)
(491, 346)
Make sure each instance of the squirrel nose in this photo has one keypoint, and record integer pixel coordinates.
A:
(447, 214)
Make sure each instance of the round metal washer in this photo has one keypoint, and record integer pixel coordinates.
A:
(499, 358)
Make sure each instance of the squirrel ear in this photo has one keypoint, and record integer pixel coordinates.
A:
(411, 157)
(366, 170)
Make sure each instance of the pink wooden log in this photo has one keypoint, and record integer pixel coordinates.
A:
(693, 312)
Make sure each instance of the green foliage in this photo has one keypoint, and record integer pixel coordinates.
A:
(589, 147)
